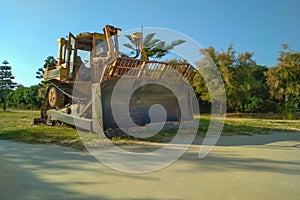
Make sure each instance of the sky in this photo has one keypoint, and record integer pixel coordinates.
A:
(29, 29)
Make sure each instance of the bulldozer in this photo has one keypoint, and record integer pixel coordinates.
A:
(79, 92)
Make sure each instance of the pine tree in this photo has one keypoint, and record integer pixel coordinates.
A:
(49, 62)
(6, 81)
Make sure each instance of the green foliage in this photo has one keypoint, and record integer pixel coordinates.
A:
(6, 82)
(254, 104)
(258, 104)
(251, 87)
(284, 79)
(49, 62)
(22, 97)
(25, 98)
(244, 80)
(6, 77)
(154, 48)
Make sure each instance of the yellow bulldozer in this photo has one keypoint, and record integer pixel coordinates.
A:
(79, 92)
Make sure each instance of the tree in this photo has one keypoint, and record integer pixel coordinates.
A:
(49, 62)
(225, 61)
(6, 83)
(204, 66)
(25, 97)
(244, 80)
(284, 78)
(260, 100)
(154, 48)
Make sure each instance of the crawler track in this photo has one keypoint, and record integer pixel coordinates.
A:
(66, 89)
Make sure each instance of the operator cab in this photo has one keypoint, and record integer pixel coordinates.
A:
(78, 52)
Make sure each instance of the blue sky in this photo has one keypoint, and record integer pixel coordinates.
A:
(29, 29)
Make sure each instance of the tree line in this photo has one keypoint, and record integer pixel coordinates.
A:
(249, 87)
(16, 95)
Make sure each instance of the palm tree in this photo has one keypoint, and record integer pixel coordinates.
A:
(154, 48)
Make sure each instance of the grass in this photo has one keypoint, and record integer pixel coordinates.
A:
(259, 126)
(17, 125)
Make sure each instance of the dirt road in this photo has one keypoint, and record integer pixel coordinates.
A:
(240, 167)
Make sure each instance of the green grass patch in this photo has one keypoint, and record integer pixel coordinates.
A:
(17, 125)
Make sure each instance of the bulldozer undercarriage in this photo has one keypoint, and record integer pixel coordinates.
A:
(58, 97)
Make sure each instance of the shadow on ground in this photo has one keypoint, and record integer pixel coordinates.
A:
(20, 162)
